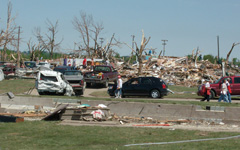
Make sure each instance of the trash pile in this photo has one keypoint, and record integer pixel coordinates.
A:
(176, 70)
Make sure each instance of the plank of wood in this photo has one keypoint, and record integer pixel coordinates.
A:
(57, 114)
(23, 115)
(10, 119)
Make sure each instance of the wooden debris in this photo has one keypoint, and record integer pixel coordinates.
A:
(23, 115)
(57, 114)
(10, 119)
(177, 71)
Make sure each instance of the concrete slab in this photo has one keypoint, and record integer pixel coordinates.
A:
(27, 101)
(166, 111)
(2, 110)
(134, 109)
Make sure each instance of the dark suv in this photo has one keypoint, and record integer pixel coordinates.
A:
(142, 86)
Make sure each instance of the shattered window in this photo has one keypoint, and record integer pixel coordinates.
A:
(48, 78)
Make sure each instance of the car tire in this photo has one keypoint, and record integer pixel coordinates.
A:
(212, 95)
(88, 85)
(79, 93)
(41, 93)
(155, 94)
(105, 85)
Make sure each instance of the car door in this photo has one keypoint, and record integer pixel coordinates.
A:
(131, 87)
(145, 86)
(235, 87)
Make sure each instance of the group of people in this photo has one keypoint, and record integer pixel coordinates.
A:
(68, 62)
(225, 91)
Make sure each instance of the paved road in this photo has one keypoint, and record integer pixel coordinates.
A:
(88, 91)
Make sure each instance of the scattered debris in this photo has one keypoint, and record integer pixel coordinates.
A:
(97, 114)
(175, 70)
(57, 114)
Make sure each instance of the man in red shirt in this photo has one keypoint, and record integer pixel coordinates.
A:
(84, 62)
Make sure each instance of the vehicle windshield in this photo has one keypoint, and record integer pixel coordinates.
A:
(61, 69)
(217, 81)
(42, 63)
(77, 73)
(30, 64)
(102, 69)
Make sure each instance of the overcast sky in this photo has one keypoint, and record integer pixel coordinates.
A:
(186, 24)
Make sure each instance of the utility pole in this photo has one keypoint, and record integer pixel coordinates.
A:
(164, 43)
(101, 40)
(18, 52)
(218, 49)
(133, 36)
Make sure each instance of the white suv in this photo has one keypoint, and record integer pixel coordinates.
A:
(52, 82)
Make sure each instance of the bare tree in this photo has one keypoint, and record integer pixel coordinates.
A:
(7, 36)
(139, 51)
(107, 52)
(49, 41)
(89, 31)
(228, 55)
(34, 49)
(97, 28)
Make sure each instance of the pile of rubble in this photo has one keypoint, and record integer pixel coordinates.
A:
(176, 71)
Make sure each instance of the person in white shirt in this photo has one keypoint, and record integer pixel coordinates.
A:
(119, 87)
(207, 91)
(224, 91)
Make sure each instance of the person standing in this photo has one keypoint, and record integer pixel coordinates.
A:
(69, 63)
(74, 63)
(223, 92)
(92, 64)
(207, 91)
(229, 92)
(84, 62)
(119, 87)
(65, 61)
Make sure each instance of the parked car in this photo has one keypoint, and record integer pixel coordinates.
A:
(76, 80)
(44, 64)
(9, 69)
(52, 82)
(101, 74)
(2, 64)
(62, 69)
(142, 86)
(216, 87)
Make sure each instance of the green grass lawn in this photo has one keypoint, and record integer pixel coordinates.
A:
(41, 135)
(16, 86)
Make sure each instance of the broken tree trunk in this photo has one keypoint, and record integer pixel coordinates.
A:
(229, 53)
(140, 51)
